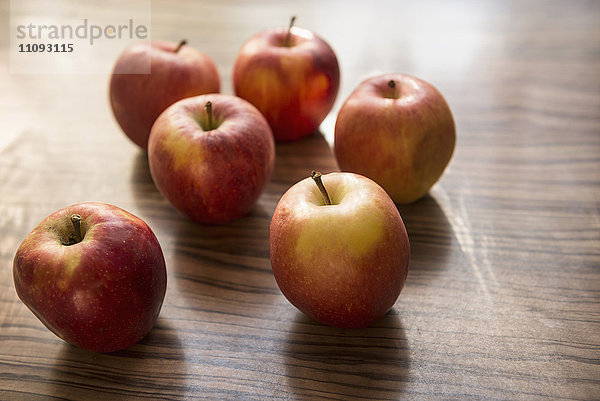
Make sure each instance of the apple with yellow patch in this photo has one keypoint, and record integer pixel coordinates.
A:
(211, 156)
(291, 75)
(339, 249)
(93, 274)
(397, 130)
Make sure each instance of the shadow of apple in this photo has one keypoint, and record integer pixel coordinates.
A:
(294, 161)
(343, 364)
(431, 237)
(144, 192)
(222, 269)
(133, 373)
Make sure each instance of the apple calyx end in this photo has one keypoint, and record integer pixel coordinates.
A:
(181, 43)
(316, 176)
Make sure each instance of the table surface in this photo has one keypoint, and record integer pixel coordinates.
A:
(502, 300)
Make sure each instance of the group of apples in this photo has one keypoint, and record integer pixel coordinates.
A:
(95, 274)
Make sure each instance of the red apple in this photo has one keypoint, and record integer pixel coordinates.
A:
(342, 263)
(397, 130)
(177, 71)
(211, 156)
(291, 76)
(93, 274)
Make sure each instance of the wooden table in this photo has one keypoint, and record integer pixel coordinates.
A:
(502, 300)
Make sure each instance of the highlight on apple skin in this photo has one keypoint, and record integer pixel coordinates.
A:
(291, 75)
(93, 274)
(211, 163)
(397, 130)
(344, 263)
(177, 71)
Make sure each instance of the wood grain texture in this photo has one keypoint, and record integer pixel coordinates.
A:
(503, 298)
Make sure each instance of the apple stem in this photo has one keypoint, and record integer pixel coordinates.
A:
(288, 37)
(182, 43)
(208, 108)
(317, 177)
(392, 85)
(76, 220)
